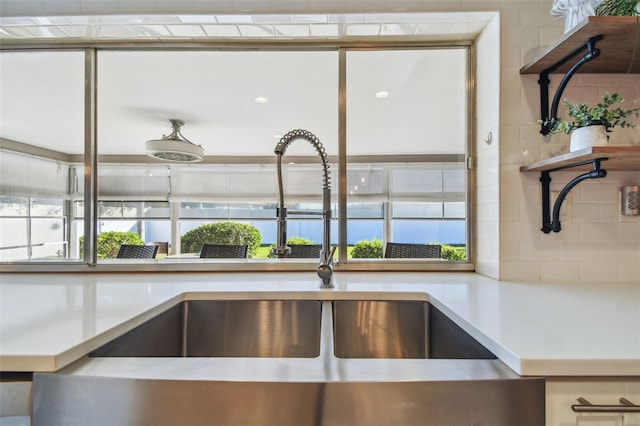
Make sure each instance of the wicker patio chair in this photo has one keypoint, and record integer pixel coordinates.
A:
(211, 251)
(130, 251)
(403, 250)
(305, 251)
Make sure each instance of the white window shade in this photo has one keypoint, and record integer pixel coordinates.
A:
(120, 182)
(367, 183)
(28, 176)
(303, 183)
(223, 183)
(259, 183)
(429, 182)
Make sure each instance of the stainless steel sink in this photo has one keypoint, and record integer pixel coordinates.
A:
(284, 362)
(400, 329)
(225, 328)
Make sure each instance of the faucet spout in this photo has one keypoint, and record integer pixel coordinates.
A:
(325, 269)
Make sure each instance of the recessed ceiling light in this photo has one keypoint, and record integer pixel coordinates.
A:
(261, 100)
(381, 94)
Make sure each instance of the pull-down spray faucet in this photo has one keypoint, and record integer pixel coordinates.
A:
(325, 268)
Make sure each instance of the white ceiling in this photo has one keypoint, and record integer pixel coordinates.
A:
(272, 26)
(42, 101)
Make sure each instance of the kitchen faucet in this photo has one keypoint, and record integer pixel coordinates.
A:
(325, 268)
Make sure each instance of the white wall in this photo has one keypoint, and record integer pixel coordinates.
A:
(487, 145)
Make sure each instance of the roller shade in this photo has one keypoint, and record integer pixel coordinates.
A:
(138, 182)
(28, 176)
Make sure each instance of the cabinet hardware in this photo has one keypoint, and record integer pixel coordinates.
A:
(625, 406)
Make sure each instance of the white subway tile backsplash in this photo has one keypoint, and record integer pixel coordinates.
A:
(488, 266)
(576, 251)
(604, 80)
(583, 212)
(492, 212)
(629, 271)
(609, 212)
(602, 271)
(510, 211)
(617, 251)
(510, 250)
(629, 231)
(550, 34)
(598, 231)
(603, 190)
(514, 231)
(525, 271)
(534, 18)
(555, 271)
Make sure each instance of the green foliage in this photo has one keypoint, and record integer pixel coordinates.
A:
(366, 249)
(293, 241)
(617, 8)
(222, 233)
(584, 115)
(453, 253)
(108, 243)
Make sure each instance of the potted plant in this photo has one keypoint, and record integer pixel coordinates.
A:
(618, 8)
(588, 125)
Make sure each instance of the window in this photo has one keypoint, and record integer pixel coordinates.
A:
(41, 118)
(406, 144)
(32, 228)
(414, 107)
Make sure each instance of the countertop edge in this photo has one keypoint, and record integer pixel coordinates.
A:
(522, 365)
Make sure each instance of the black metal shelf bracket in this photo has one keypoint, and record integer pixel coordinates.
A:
(552, 223)
(543, 82)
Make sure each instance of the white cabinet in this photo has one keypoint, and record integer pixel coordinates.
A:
(561, 393)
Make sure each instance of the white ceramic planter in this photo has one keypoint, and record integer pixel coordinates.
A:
(586, 137)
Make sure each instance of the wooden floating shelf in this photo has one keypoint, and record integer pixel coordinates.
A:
(618, 53)
(619, 158)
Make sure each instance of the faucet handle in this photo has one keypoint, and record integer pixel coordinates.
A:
(326, 256)
(325, 269)
(331, 254)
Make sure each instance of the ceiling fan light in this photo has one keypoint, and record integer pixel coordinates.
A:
(174, 147)
(170, 150)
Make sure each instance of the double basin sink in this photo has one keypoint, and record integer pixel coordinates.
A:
(292, 329)
(321, 359)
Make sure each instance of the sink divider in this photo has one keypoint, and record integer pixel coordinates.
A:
(185, 327)
(326, 330)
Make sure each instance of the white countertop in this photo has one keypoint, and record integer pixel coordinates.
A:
(48, 321)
